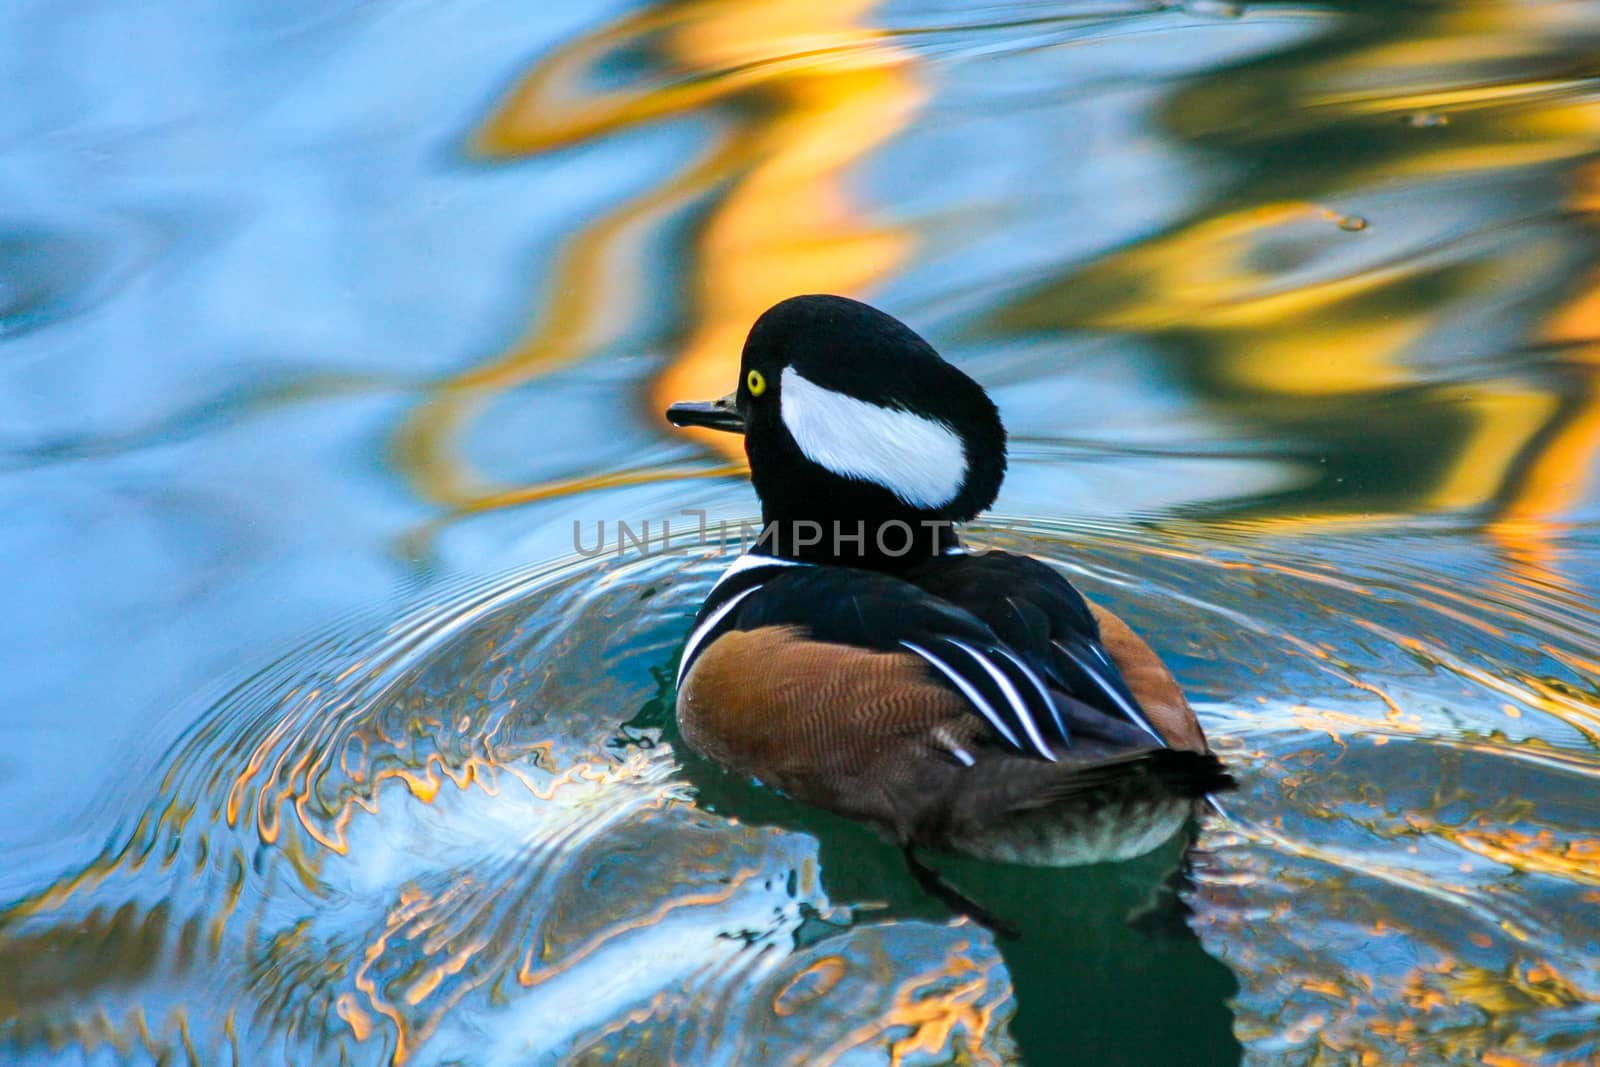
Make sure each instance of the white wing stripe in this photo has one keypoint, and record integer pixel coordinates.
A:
(704, 628)
(751, 561)
(1110, 690)
(1042, 690)
(1013, 697)
(967, 690)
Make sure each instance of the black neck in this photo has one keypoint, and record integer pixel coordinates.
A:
(891, 544)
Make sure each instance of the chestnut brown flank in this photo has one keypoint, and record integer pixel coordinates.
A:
(812, 718)
(1150, 682)
(874, 734)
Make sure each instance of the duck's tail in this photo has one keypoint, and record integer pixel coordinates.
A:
(1170, 771)
(1086, 811)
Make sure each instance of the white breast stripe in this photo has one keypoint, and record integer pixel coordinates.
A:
(967, 691)
(1043, 691)
(1013, 697)
(750, 561)
(1128, 709)
(921, 461)
(705, 628)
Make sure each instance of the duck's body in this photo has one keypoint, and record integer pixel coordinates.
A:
(970, 702)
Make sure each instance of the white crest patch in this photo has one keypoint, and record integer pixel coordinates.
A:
(921, 461)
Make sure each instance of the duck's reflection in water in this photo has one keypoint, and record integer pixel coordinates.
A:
(1105, 967)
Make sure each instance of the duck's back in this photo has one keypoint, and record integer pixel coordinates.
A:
(967, 706)
(1080, 647)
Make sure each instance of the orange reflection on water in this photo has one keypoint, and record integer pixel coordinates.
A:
(815, 92)
(816, 980)
(950, 1008)
(1557, 477)
(1278, 315)
(1538, 852)
(411, 904)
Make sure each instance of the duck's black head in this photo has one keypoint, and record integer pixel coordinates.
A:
(849, 417)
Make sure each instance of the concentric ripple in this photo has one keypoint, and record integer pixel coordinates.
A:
(470, 839)
(1408, 872)
(434, 845)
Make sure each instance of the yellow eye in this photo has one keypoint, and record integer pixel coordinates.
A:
(756, 383)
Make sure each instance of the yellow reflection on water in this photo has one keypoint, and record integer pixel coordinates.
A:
(809, 90)
(1273, 301)
(929, 1013)
(1291, 303)
(1558, 475)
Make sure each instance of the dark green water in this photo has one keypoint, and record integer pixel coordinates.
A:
(328, 332)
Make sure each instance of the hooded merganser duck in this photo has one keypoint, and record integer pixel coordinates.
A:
(859, 659)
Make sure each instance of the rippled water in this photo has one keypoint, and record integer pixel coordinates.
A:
(321, 326)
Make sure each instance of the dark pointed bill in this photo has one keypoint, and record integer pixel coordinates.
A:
(712, 414)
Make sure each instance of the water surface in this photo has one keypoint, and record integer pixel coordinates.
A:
(322, 325)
